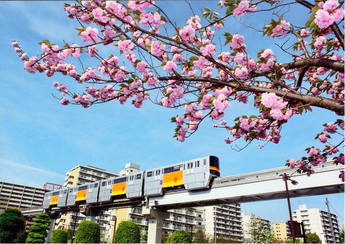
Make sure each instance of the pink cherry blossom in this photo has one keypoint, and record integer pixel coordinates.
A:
(242, 73)
(89, 34)
(271, 100)
(170, 66)
(330, 5)
(227, 141)
(208, 50)
(187, 34)
(64, 101)
(237, 42)
(323, 19)
(221, 103)
(313, 152)
(243, 7)
(281, 29)
(157, 48)
(330, 128)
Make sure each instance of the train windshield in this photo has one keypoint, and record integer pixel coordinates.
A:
(214, 165)
(214, 161)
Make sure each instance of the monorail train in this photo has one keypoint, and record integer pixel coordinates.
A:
(196, 174)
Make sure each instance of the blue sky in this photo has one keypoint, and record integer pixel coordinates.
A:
(40, 139)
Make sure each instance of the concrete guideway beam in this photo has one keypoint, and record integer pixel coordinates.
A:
(156, 218)
(249, 188)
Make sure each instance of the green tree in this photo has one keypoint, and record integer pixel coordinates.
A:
(341, 237)
(38, 230)
(87, 232)
(257, 231)
(12, 224)
(127, 232)
(179, 236)
(200, 237)
(312, 238)
(59, 236)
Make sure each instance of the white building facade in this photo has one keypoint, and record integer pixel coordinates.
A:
(223, 222)
(323, 223)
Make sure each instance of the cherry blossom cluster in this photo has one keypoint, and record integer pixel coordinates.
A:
(318, 155)
(328, 13)
(185, 68)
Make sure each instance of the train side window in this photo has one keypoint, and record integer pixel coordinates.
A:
(197, 164)
(109, 182)
(138, 177)
(95, 185)
(149, 174)
(158, 172)
(204, 161)
(82, 188)
(104, 183)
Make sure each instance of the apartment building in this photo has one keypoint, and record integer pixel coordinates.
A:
(281, 231)
(324, 224)
(223, 222)
(187, 219)
(20, 196)
(246, 220)
(83, 174)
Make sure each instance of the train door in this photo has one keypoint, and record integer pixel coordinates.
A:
(92, 193)
(153, 182)
(134, 185)
(105, 191)
(62, 198)
(46, 200)
(71, 196)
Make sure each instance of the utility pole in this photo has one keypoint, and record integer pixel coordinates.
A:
(330, 220)
(286, 178)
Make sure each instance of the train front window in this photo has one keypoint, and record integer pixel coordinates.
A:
(214, 166)
(214, 161)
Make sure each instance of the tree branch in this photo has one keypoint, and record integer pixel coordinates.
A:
(316, 101)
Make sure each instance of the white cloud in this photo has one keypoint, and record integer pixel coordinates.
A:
(25, 174)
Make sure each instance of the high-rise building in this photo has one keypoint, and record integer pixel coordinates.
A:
(223, 222)
(20, 196)
(324, 224)
(281, 231)
(246, 222)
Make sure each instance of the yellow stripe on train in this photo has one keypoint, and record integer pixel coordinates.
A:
(214, 168)
(118, 189)
(173, 179)
(54, 200)
(81, 195)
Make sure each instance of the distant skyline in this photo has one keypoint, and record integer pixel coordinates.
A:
(40, 140)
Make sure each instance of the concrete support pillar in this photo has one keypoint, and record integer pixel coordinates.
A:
(51, 228)
(155, 224)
